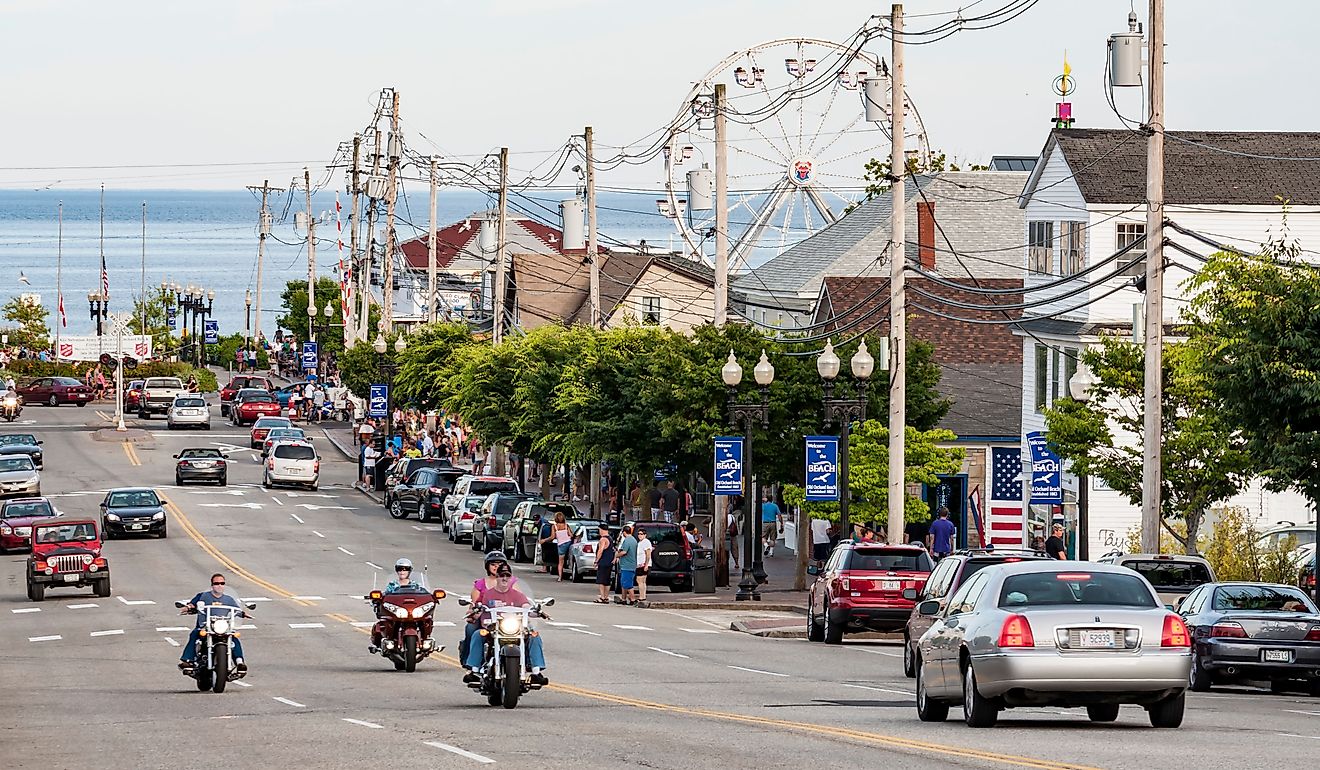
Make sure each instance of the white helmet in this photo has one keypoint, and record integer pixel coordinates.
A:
(403, 564)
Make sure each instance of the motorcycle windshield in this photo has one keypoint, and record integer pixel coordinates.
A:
(418, 584)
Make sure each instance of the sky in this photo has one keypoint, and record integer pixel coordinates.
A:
(271, 85)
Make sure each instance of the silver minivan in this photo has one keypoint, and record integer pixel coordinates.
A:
(295, 463)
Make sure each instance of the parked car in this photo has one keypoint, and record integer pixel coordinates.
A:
(239, 382)
(1058, 634)
(66, 553)
(16, 520)
(423, 492)
(263, 426)
(1173, 575)
(19, 477)
(158, 394)
(282, 394)
(461, 505)
(865, 587)
(1306, 573)
(582, 552)
(523, 529)
(406, 466)
(1287, 535)
(133, 395)
(494, 513)
(1253, 631)
(947, 577)
(22, 444)
(292, 463)
(276, 435)
(132, 510)
(201, 464)
(54, 391)
(188, 410)
(671, 556)
(250, 405)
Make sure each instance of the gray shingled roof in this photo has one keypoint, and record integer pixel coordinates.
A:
(1110, 166)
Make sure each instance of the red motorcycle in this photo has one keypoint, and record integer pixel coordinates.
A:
(404, 623)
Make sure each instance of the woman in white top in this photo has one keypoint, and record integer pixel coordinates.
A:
(644, 548)
(563, 537)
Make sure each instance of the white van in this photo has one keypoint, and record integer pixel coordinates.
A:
(294, 462)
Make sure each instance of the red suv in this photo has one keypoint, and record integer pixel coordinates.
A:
(862, 587)
(239, 382)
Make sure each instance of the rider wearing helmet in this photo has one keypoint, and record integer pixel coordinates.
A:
(402, 575)
(402, 581)
(495, 591)
(493, 561)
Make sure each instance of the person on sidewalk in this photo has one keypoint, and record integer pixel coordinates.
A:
(369, 456)
(604, 566)
(654, 500)
(942, 534)
(771, 516)
(627, 558)
(820, 541)
(644, 549)
(670, 499)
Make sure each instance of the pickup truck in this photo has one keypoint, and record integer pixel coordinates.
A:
(158, 394)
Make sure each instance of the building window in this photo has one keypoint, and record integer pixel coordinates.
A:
(1072, 247)
(1042, 376)
(1040, 247)
(651, 310)
(1070, 356)
(1134, 261)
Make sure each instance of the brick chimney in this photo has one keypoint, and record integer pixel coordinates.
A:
(926, 234)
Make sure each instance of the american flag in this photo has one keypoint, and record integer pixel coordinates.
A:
(105, 279)
(345, 271)
(1007, 518)
(64, 321)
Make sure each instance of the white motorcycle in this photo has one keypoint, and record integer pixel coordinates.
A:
(507, 674)
(213, 666)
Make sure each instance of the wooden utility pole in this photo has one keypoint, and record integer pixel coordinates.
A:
(263, 232)
(897, 295)
(721, 210)
(312, 310)
(350, 315)
(1151, 468)
(391, 194)
(369, 257)
(592, 251)
(430, 247)
(501, 232)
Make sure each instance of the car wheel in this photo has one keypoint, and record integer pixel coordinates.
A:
(1279, 686)
(909, 660)
(833, 633)
(1102, 712)
(144, 415)
(929, 709)
(978, 711)
(1313, 687)
(54, 401)
(815, 630)
(82, 403)
(178, 480)
(164, 533)
(103, 587)
(1168, 712)
(576, 573)
(224, 480)
(1199, 679)
(38, 592)
(450, 532)
(396, 510)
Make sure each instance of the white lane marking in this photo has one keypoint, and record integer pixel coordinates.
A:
(372, 725)
(699, 630)
(757, 671)
(585, 604)
(241, 684)
(362, 624)
(1304, 713)
(249, 506)
(308, 598)
(460, 752)
(293, 703)
(878, 689)
(279, 502)
(134, 602)
(584, 631)
(257, 599)
(26, 609)
(172, 642)
(297, 518)
(881, 652)
(82, 606)
(667, 652)
(111, 632)
(306, 625)
(318, 534)
(1295, 735)
(167, 629)
(419, 529)
(564, 624)
(245, 627)
(434, 528)
(374, 566)
(54, 638)
(447, 623)
(345, 550)
(325, 507)
(634, 628)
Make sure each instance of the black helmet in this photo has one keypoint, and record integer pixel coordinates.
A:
(496, 556)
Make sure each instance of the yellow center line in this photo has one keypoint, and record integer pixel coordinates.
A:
(131, 452)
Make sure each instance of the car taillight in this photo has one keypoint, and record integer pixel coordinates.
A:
(467, 515)
(490, 522)
(844, 584)
(1228, 630)
(588, 548)
(1313, 635)
(437, 491)
(1175, 632)
(316, 466)
(1016, 632)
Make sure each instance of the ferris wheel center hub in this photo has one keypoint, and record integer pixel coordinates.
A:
(801, 170)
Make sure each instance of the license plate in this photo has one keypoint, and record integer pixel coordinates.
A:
(136, 526)
(71, 577)
(1097, 639)
(1276, 656)
(890, 585)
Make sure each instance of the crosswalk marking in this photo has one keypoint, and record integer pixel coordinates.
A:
(306, 625)
(22, 610)
(112, 632)
(634, 628)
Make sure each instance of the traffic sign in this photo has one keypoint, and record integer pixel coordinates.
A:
(211, 332)
(728, 465)
(309, 355)
(172, 317)
(378, 405)
(822, 468)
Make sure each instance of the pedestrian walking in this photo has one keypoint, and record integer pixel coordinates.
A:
(771, 516)
(563, 539)
(644, 549)
(604, 566)
(942, 534)
(627, 559)
(670, 499)
(654, 500)
(318, 402)
(820, 540)
(731, 532)
(1055, 545)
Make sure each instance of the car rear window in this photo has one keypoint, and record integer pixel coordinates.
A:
(294, 452)
(1074, 589)
(189, 402)
(483, 488)
(164, 382)
(68, 381)
(201, 454)
(974, 566)
(259, 395)
(25, 510)
(1260, 598)
(886, 559)
(661, 533)
(1171, 574)
(505, 504)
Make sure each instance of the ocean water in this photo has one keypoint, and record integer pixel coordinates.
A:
(209, 238)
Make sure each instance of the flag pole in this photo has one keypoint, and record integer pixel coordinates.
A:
(59, 274)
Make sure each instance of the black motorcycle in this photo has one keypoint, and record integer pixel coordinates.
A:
(504, 634)
(213, 667)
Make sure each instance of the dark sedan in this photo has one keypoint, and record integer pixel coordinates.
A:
(54, 391)
(201, 464)
(132, 510)
(1252, 631)
(495, 511)
(423, 492)
(22, 444)
(407, 466)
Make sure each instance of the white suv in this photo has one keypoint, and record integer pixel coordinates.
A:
(292, 463)
(469, 492)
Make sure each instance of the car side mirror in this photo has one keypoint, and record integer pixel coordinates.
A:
(251, 605)
(929, 608)
(40, 441)
(175, 456)
(1178, 604)
(180, 605)
(910, 594)
(812, 569)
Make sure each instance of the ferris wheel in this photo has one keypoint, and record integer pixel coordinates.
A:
(798, 139)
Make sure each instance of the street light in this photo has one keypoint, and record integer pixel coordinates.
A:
(387, 367)
(247, 321)
(749, 415)
(98, 306)
(320, 330)
(1079, 387)
(843, 412)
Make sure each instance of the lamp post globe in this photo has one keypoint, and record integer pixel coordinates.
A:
(1080, 384)
(329, 311)
(732, 371)
(210, 295)
(379, 344)
(764, 371)
(827, 364)
(863, 363)
(399, 344)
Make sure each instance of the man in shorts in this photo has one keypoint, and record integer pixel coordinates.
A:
(627, 558)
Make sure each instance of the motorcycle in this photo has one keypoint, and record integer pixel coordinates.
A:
(213, 668)
(11, 407)
(506, 672)
(406, 614)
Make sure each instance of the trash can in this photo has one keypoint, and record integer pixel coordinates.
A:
(703, 571)
(381, 470)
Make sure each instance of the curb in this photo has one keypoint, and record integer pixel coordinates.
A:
(761, 606)
(339, 446)
(783, 632)
(132, 435)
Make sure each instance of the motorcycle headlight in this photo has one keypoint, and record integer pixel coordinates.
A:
(11, 402)
(220, 626)
(158, 515)
(399, 612)
(510, 625)
(420, 612)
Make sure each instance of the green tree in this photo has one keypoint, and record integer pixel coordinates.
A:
(30, 326)
(876, 172)
(331, 341)
(1204, 459)
(427, 365)
(157, 322)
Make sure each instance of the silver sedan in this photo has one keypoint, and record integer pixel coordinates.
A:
(1066, 634)
(188, 410)
(19, 477)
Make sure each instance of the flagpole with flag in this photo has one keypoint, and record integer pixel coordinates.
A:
(59, 275)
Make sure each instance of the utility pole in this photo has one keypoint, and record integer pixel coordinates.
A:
(312, 310)
(263, 230)
(350, 316)
(1152, 481)
(370, 255)
(897, 294)
(391, 193)
(592, 252)
(497, 325)
(430, 247)
(721, 210)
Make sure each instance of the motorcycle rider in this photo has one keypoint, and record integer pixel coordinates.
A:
(384, 625)
(493, 560)
(215, 597)
(503, 594)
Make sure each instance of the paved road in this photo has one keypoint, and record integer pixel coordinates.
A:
(92, 681)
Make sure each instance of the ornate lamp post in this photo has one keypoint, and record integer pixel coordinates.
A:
(1079, 387)
(844, 412)
(98, 306)
(387, 368)
(319, 329)
(247, 320)
(748, 415)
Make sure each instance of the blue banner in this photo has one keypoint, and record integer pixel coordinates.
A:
(211, 332)
(309, 355)
(171, 316)
(822, 468)
(378, 405)
(728, 465)
(1046, 471)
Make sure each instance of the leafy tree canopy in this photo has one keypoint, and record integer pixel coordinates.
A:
(30, 327)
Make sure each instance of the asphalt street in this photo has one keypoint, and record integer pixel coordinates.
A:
(92, 682)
